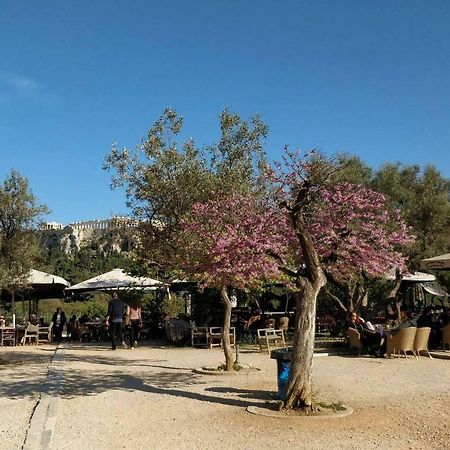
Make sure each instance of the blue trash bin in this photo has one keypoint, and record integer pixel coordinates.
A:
(283, 357)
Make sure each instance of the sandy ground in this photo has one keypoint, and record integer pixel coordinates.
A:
(149, 398)
(23, 371)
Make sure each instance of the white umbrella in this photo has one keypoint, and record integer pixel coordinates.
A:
(38, 278)
(415, 276)
(115, 279)
(441, 262)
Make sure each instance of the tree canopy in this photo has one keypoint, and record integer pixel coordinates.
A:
(20, 214)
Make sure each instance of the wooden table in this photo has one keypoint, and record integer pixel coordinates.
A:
(7, 334)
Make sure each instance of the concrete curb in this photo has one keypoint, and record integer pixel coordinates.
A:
(43, 419)
(267, 412)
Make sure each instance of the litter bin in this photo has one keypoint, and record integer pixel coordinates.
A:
(283, 357)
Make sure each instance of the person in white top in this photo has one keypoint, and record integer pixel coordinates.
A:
(135, 315)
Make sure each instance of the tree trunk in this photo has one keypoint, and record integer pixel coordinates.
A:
(229, 362)
(299, 387)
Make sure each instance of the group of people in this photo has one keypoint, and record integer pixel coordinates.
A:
(375, 341)
(119, 315)
(116, 319)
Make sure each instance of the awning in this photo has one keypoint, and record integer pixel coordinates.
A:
(441, 262)
(115, 279)
(435, 288)
(38, 278)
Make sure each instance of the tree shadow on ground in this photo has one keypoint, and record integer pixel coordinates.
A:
(110, 360)
(161, 383)
(106, 345)
(90, 383)
(245, 393)
(18, 357)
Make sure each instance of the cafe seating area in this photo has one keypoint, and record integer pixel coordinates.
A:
(210, 337)
(401, 343)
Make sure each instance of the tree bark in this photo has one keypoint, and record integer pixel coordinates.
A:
(299, 388)
(229, 362)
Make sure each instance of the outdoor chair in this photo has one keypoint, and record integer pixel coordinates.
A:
(268, 337)
(354, 340)
(284, 323)
(446, 336)
(31, 333)
(214, 336)
(86, 333)
(45, 334)
(8, 335)
(199, 336)
(421, 341)
(403, 341)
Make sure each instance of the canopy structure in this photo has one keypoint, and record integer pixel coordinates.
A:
(441, 262)
(115, 279)
(434, 288)
(43, 279)
(419, 277)
(38, 285)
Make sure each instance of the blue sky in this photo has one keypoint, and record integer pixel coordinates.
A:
(371, 78)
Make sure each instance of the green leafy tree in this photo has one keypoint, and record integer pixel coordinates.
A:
(423, 197)
(19, 217)
(164, 179)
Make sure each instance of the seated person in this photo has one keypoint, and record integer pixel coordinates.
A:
(372, 340)
(84, 319)
(33, 320)
(254, 320)
(404, 321)
(73, 328)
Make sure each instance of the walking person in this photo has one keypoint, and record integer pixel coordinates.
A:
(135, 315)
(59, 320)
(114, 320)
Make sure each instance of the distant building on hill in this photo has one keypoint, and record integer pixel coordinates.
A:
(97, 224)
(105, 224)
(51, 226)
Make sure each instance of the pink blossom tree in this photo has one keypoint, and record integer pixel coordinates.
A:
(315, 230)
(228, 243)
(340, 229)
(358, 239)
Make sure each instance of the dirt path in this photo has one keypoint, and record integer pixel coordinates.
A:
(149, 398)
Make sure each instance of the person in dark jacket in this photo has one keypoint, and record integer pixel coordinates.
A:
(372, 340)
(114, 320)
(59, 321)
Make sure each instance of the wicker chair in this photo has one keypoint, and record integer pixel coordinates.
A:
(403, 341)
(446, 336)
(354, 339)
(284, 323)
(421, 341)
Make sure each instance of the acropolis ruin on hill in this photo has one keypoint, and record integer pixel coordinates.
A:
(97, 224)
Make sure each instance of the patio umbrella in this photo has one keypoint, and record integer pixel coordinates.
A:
(441, 262)
(115, 279)
(38, 279)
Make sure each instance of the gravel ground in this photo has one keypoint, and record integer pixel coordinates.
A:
(23, 371)
(149, 398)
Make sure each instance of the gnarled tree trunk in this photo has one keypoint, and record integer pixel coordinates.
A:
(229, 362)
(299, 388)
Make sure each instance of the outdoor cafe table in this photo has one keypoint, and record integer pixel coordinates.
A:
(18, 333)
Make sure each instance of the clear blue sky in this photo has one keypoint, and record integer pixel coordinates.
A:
(367, 77)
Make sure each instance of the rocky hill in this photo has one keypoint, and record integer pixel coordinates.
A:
(70, 240)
